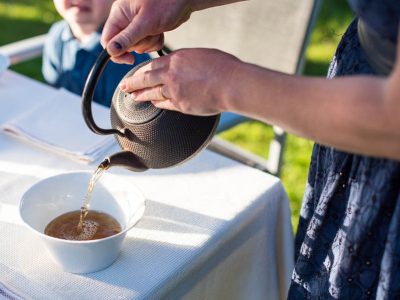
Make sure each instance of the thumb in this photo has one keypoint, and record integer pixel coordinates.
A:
(122, 41)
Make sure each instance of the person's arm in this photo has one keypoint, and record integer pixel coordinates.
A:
(138, 25)
(356, 114)
(360, 114)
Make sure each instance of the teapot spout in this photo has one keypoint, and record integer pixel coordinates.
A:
(126, 159)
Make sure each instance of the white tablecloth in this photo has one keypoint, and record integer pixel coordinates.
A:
(212, 229)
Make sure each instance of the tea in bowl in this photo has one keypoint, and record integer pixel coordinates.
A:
(115, 202)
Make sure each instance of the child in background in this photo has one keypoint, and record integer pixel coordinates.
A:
(73, 45)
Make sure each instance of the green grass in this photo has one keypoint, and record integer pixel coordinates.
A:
(20, 19)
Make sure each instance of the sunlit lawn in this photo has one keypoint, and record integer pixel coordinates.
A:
(20, 19)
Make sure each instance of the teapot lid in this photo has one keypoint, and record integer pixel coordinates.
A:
(131, 111)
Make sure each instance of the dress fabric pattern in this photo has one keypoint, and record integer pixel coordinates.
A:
(348, 238)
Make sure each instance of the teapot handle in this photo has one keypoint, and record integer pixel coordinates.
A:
(88, 91)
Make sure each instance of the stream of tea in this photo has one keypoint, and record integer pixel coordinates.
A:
(88, 197)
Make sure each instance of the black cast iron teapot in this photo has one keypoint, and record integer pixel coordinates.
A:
(149, 137)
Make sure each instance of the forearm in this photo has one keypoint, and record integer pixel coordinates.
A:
(349, 113)
(203, 4)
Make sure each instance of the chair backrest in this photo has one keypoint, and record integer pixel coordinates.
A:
(269, 33)
(24, 50)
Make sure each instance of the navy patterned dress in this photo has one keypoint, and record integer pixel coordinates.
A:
(348, 239)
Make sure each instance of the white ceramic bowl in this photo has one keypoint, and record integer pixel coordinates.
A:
(53, 196)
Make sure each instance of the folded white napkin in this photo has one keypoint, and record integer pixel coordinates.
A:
(57, 125)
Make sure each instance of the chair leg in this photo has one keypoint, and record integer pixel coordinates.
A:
(275, 155)
(238, 154)
(274, 163)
